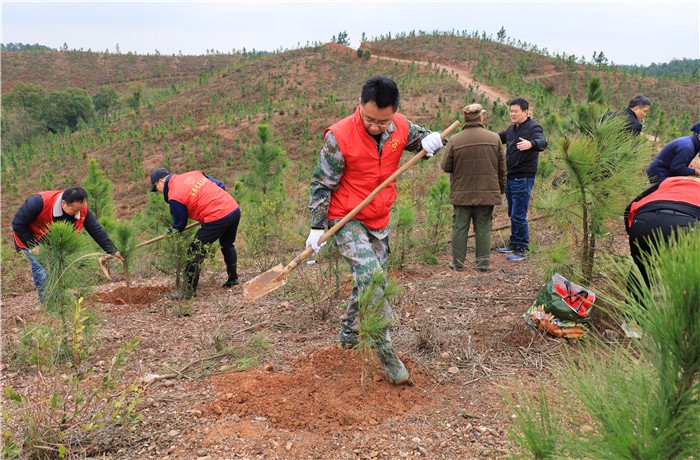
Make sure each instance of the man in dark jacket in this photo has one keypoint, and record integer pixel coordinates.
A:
(524, 141)
(635, 112)
(675, 158)
(475, 159)
(194, 195)
(35, 217)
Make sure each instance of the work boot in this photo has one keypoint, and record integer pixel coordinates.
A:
(232, 272)
(393, 367)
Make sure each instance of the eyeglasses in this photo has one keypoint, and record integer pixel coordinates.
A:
(371, 121)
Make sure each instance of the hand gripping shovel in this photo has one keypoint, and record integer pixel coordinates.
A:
(276, 277)
(103, 260)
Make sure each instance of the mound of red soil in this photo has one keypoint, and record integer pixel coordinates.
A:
(322, 393)
(138, 295)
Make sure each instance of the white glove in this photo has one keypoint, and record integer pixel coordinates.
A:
(431, 143)
(312, 240)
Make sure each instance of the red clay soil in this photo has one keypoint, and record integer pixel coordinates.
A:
(320, 394)
(138, 295)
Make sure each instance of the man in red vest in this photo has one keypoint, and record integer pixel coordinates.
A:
(659, 212)
(35, 217)
(358, 154)
(197, 196)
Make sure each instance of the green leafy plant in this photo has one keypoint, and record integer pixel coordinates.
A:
(403, 221)
(374, 320)
(78, 414)
(59, 253)
(598, 183)
(535, 430)
(642, 397)
(99, 190)
(436, 209)
(124, 237)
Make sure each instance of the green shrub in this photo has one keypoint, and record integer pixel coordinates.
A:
(86, 413)
(437, 218)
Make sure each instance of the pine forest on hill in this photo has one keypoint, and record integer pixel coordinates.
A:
(218, 377)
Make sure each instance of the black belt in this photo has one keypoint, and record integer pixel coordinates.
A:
(674, 213)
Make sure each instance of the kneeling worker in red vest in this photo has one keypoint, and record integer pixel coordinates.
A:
(194, 195)
(35, 217)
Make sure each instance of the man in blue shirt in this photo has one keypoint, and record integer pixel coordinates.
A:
(675, 158)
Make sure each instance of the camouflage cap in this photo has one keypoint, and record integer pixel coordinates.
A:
(473, 111)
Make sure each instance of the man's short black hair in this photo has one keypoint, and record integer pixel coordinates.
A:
(522, 103)
(382, 91)
(73, 194)
(639, 101)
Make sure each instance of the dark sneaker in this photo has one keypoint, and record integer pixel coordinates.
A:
(457, 269)
(507, 249)
(393, 367)
(181, 295)
(347, 339)
(519, 254)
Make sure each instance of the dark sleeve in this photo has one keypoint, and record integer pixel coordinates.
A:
(95, 230)
(537, 138)
(219, 183)
(26, 214)
(502, 135)
(680, 160)
(635, 126)
(179, 213)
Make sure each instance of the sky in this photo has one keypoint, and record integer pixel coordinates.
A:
(627, 32)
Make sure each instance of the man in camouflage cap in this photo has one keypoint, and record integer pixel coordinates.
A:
(477, 166)
(359, 153)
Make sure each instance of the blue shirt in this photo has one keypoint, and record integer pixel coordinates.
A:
(674, 158)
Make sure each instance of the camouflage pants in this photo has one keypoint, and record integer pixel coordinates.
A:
(365, 254)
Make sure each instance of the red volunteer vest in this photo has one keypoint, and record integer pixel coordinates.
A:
(365, 170)
(40, 226)
(205, 201)
(679, 189)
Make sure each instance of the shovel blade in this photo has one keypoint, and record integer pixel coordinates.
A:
(265, 283)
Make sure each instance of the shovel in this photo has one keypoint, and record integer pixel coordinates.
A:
(276, 277)
(103, 260)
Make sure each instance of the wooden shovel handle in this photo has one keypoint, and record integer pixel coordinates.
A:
(417, 157)
(147, 242)
(161, 237)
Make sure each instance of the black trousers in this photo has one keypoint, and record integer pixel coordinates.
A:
(224, 230)
(649, 227)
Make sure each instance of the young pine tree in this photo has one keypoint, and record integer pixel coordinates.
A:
(436, 208)
(99, 190)
(603, 171)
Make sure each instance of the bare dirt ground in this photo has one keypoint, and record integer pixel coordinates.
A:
(461, 335)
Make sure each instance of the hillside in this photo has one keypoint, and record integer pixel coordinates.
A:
(222, 377)
(56, 70)
(517, 71)
(209, 122)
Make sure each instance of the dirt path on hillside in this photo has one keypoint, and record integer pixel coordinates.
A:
(463, 76)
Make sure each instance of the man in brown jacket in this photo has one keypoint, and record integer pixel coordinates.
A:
(475, 159)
